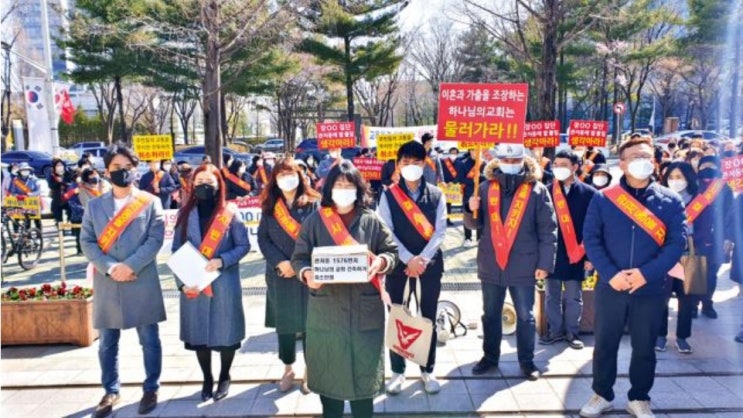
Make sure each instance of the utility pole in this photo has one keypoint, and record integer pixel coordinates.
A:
(49, 78)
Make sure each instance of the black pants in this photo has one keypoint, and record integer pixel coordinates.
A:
(430, 291)
(712, 269)
(288, 347)
(468, 233)
(686, 305)
(644, 314)
(333, 408)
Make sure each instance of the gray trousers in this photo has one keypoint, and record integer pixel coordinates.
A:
(564, 310)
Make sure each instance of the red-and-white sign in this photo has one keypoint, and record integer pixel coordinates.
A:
(619, 108)
(336, 135)
(542, 134)
(482, 113)
(588, 133)
(732, 172)
(370, 168)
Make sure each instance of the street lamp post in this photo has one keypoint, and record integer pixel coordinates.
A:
(49, 78)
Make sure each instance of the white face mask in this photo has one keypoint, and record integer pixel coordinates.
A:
(677, 186)
(166, 167)
(344, 198)
(511, 168)
(452, 157)
(600, 181)
(580, 153)
(641, 169)
(59, 170)
(411, 172)
(562, 173)
(287, 183)
(241, 171)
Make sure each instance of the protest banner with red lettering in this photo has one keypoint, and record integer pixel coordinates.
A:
(370, 168)
(336, 135)
(482, 113)
(732, 172)
(542, 134)
(588, 133)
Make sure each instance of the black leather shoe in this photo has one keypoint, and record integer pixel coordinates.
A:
(106, 405)
(148, 403)
(530, 371)
(207, 390)
(223, 388)
(710, 312)
(483, 366)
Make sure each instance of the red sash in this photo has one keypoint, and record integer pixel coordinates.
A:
(235, 179)
(638, 213)
(697, 206)
(339, 233)
(67, 196)
(574, 250)
(592, 156)
(286, 221)
(158, 176)
(94, 192)
(431, 164)
(503, 236)
(450, 168)
(118, 223)
(210, 241)
(472, 172)
(262, 174)
(412, 212)
(22, 186)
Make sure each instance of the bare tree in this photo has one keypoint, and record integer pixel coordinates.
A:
(378, 98)
(106, 104)
(701, 74)
(236, 105)
(184, 105)
(158, 110)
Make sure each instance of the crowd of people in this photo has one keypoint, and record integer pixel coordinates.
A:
(532, 218)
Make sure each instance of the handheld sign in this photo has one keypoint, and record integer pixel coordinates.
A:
(732, 172)
(370, 168)
(153, 147)
(542, 134)
(19, 206)
(341, 264)
(389, 143)
(336, 135)
(588, 133)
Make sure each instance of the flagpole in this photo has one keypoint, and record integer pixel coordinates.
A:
(49, 78)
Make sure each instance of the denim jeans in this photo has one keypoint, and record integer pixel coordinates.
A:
(493, 297)
(108, 357)
(564, 310)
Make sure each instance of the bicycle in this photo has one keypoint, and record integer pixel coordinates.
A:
(17, 239)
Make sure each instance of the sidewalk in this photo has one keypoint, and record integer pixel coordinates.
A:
(55, 381)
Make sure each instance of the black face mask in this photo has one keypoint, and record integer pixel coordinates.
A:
(728, 154)
(122, 178)
(205, 191)
(707, 173)
(94, 180)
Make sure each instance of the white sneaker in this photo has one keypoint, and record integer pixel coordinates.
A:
(394, 386)
(430, 384)
(640, 409)
(595, 407)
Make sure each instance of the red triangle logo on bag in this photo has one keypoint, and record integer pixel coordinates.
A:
(406, 335)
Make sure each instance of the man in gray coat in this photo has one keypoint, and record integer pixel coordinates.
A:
(518, 246)
(121, 235)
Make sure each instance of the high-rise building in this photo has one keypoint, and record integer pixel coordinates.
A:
(27, 20)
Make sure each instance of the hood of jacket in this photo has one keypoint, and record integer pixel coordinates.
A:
(532, 175)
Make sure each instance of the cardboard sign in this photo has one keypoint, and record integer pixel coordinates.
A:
(542, 134)
(336, 135)
(588, 133)
(370, 134)
(153, 147)
(483, 113)
(370, 168)
(18, 208)
(453, 193)
(389, 144)
(341, 264)
(732, 172)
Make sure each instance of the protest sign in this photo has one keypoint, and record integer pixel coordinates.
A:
(18, 207)
(336, 135)
(370, 168)
(588, 133)
(732, 172)
(542, 134)
(388, 144)
(341, 264)
(153, 147)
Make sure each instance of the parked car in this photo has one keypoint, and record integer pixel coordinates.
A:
(309, 147)
(40, 161)
(272, 145)
(96, 157)
(194, 155)
(82, 147)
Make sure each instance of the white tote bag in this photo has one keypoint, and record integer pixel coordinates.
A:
(409, 333)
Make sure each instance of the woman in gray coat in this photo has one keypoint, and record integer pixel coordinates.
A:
(213, 320)
(286, 201)
(345, 322)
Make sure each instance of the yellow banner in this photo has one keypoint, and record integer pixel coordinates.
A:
(453, 193)
(153, 147)
(388, 144)
(18, 208)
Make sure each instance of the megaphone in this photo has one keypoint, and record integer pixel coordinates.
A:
(508, 319)
(447, 316)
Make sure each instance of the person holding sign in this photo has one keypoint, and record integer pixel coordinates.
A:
(467, 172)
(571, 198)
(159, 182)
(518, 247)
(25, 184)
(121, 234)
(634, 233)
(415, 212)
(345, 322)
(286, 202)
(212, 319)
(448, 163)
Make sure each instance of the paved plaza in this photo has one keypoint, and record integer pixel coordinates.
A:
(57, 381)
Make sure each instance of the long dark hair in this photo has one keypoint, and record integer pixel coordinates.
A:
(220, 200)
(271, 193)
(688, 172)
(348, 171)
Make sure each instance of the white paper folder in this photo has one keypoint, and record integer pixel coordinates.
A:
(189, 265)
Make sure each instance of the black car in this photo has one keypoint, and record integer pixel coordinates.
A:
(309, 147)
(194, 155)
(41, 162)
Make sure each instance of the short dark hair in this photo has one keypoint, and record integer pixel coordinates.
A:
(120, 149)
(426, 137)
(85, 176)
(568, 155)
(454, 149)
(411, 149)
(348, 171)
(56, 161)
(634, 141)
(82, 161)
